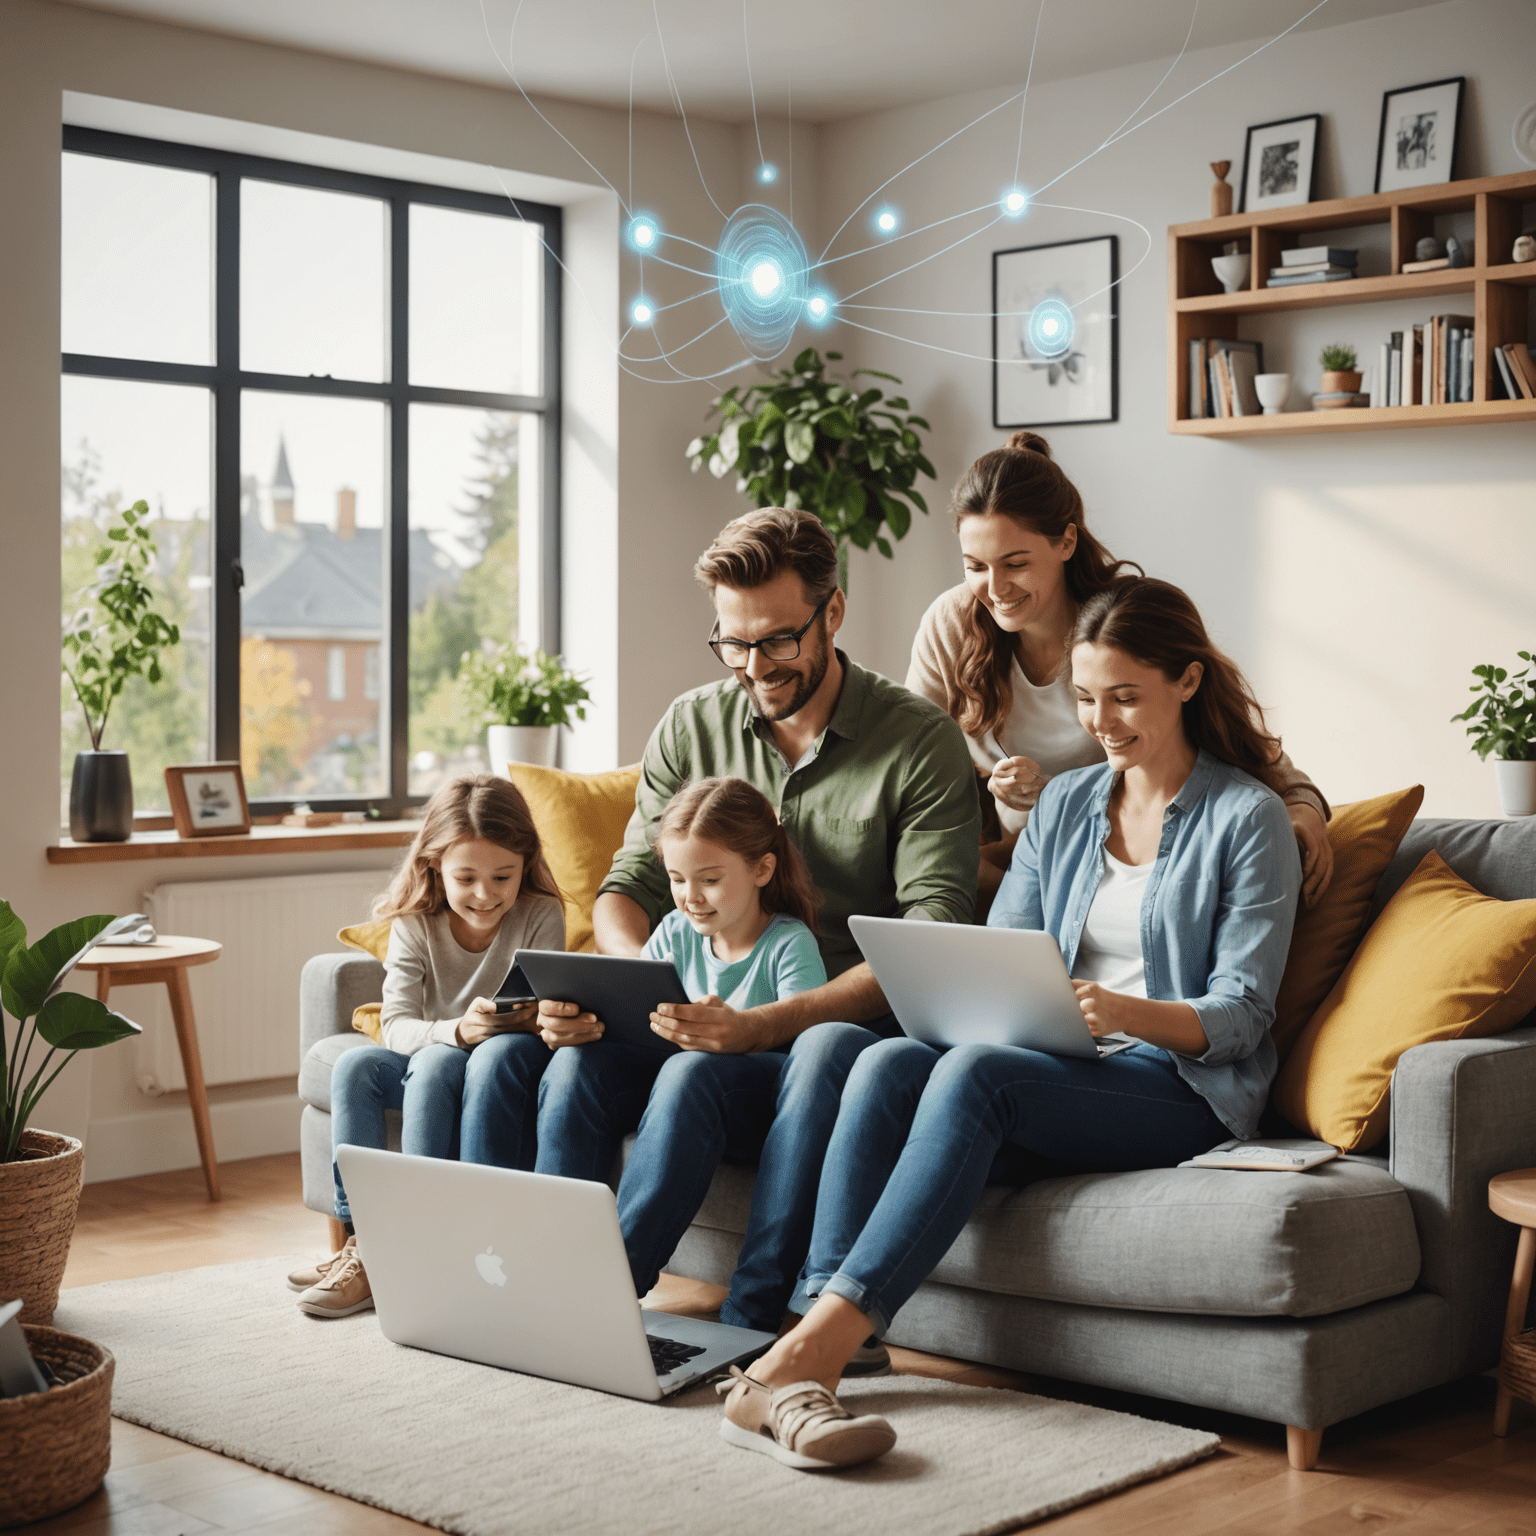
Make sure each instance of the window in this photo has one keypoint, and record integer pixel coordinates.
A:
(339, 396)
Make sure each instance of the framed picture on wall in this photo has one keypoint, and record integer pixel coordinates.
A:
(207, 798)
(1055, 333)
(1419, 128)
(1280, 164)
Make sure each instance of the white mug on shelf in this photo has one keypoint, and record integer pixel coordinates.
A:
(1273, 390)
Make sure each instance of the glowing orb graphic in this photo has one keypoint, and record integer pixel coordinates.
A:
(760, 267)
(1051, 328)
(767, 173)
(819, 307)
(643, 233)
(887, 221)
(641, 312)
(1014, 202)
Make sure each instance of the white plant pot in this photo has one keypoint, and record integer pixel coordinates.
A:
(536, 744)
(1517, 787)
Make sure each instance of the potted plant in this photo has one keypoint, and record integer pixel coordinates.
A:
(1504, 727)
(113, 634)
(1341, 369)
(802, 439)
(523, 701)
(40, 1171)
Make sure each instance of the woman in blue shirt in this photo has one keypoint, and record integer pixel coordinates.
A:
(1169, 876)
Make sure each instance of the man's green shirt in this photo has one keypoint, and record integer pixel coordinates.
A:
(884, 806)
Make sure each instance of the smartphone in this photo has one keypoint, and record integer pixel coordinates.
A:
(511, 1004)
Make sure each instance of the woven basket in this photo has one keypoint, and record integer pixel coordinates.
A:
(55, 1446)
(39, 1196)
(1517, 1366)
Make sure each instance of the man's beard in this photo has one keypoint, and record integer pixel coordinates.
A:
(800, 696)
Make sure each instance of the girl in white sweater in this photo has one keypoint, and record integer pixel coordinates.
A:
(473, 890)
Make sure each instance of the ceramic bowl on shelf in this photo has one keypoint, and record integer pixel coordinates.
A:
(1232, 271)
(1273, 390)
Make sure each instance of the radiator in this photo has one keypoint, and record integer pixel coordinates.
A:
(246, 1001)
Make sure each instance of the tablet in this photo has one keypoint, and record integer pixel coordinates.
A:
(621, 992)
(514, 991)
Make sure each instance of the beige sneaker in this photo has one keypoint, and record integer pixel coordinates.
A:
(343, 1291)
(802, 1425)
(313, 1274)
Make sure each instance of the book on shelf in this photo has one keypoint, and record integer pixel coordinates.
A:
(1438, 264)
(1522, 366)
(1505, 375)
(1395, 369)
(1314, 255)
(1286, 279)
(1221, 375)
(1311, 266)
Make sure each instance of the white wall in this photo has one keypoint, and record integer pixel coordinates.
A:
(1357, 578)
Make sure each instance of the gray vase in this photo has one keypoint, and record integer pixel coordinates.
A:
(101, 798)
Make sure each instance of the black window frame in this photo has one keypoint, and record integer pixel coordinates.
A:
(225, 380)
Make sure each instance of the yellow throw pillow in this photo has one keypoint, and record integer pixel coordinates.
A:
(373, 939)
(581, 819)
(1365, 836)
(1442, 962)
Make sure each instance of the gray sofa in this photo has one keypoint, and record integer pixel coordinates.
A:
(1299, 1298)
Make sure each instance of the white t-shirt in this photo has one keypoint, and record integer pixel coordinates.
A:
(1109, 951)
(1042, 723)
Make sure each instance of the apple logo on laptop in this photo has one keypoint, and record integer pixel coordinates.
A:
(489, 1265)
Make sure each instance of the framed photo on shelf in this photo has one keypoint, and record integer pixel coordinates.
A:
(207, 799)
(1280, 164)
(1420, 125)
(1055, 333)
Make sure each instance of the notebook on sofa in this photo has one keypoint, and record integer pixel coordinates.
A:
(1265, 1157)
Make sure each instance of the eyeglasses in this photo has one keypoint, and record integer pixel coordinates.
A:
(738, 653)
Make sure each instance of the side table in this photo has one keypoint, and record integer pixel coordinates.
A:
(1513, 1196)
(166, 960)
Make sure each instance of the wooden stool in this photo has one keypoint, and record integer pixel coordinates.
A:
(1513, 1196)
(167, 960)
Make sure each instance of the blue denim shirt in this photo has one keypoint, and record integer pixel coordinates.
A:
(1215, 921)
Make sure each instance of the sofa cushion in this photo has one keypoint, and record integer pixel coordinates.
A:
(1175, 1239)
(318, 1063)
(1442, 962)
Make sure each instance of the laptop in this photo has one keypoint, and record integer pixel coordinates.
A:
(955, 984)
(521, 1271)
(622, 992)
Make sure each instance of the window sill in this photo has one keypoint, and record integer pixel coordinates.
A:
(259, 840)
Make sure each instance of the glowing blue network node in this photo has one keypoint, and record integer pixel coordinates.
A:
(643, 233)
(1051, 328)
(820, 307)
(642, 312)
(1014, 202)
(767, 173)
(760, 269)
(887, 221)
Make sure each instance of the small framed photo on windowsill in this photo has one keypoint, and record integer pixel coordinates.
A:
(1280, 164)
(1419, 128)
(208, 799)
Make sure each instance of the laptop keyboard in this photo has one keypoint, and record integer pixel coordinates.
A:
(668, 1354)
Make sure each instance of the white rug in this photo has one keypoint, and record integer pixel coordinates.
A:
(222, 1358)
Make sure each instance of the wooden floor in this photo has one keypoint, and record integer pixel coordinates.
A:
(1428, 1466)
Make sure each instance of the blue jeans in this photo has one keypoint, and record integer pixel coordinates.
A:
(476, 1105)
(692, 1109)
(920, 1131)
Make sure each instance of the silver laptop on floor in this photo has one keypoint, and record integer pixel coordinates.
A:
(521, 1271)
(955, 984)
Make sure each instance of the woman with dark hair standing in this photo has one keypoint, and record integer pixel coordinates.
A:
(1169, 877)
(992, 651)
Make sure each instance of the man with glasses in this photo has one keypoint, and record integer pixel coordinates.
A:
(874, 786)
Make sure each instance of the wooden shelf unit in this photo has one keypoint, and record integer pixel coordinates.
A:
(1197, 307)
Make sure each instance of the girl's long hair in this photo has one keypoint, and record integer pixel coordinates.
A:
(477, 805)
(1022, 481)
(733, 814)
(1156, 624)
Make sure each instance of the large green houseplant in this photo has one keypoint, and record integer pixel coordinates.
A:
(1503, 726)
(39, 1170)
(802, 438)
(113, 634)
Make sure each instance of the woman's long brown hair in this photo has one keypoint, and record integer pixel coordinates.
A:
(737, 816)
(477, 805)
(1022, 481)
(1156, 624)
